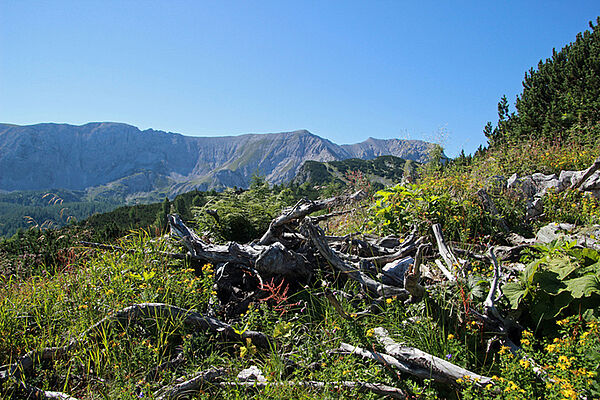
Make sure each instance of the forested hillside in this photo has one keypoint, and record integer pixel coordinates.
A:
(46, 208)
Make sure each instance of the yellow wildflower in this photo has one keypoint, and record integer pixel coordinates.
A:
(550, 348)
(524, 363)
(525, 342)
(450, 336)
(569, 394)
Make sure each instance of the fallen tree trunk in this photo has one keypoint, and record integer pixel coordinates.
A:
(452, 373)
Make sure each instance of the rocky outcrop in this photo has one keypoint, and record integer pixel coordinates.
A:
(535, 186)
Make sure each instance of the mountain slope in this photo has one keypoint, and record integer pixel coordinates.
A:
(113, 160)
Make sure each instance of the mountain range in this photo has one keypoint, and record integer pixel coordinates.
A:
(115, 160)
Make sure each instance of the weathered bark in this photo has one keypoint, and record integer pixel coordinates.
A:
(412, 276)
(447, 255)
(352, 271)
(411, 355)
(302, 209)
(389, 361)
(586, 174)
(189, 386)
(489, 303)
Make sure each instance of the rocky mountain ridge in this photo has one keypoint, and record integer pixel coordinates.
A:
(114, 159)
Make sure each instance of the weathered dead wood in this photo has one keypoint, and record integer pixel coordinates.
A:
(387, 360)
(303, 208)
(271, 260)
(352, 271)
(414, 356)
(363, 387)
(444, 270)
(407, 249)
(586, 174)
(189, 237)
(489, 303)
(445, 252)
(412, 276)
(189, 386)
(32, 392)
(129, 315)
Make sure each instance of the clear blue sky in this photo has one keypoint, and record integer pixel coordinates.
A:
(344, 70)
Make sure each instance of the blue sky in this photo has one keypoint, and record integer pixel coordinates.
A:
(344, 70)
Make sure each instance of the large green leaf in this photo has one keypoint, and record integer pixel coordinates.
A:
(562, 265)
(549, 282)
(584, 286)
(514, 292)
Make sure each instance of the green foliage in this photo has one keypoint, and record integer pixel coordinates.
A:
(108, 227)
(37, 252)
(571, 206)
(240, 217)
(398, 209)
(436, 160)
(560, 280)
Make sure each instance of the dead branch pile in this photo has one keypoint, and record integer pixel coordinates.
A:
(290, 251)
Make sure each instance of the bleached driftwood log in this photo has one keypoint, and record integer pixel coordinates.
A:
(411, 355)
(447, 255)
